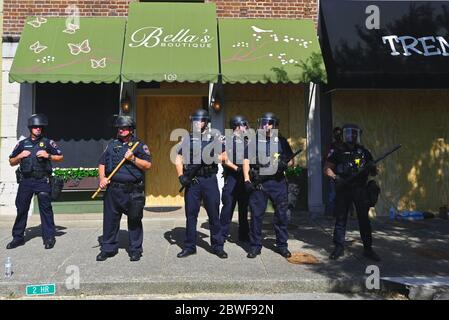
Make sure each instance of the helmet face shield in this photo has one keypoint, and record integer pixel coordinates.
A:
(239, 123)
(199, 123)
(267, 122)
(242, 125)
(351, 135)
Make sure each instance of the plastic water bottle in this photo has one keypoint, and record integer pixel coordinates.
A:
(8, 268)
(392, 213)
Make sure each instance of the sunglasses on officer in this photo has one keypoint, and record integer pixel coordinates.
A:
(36, 127)
(265, 122)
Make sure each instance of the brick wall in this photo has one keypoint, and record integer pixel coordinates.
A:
(288, 9)
(16, 11)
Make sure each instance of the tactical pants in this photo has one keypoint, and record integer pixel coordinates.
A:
(207, 190)
(276, 191)
(345, 198)
(117, 201)
(27, 188)
(330, 207)
(234, 192)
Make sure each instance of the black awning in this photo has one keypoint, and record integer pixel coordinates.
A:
(385, 44)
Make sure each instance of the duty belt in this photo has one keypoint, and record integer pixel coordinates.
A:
(36, 175)
(128, 187)
(206, 171)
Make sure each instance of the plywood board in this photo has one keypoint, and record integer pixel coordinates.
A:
(156, 118)
(416, 177)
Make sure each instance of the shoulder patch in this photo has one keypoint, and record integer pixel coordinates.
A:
(53, 144)
(146, 149)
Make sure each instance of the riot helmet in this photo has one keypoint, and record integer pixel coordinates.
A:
(268, 118)
(37, 120)
(238, 121)
(197, 118)
(351, 134)
(124, 121)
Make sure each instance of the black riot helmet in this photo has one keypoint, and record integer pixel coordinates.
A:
(37, 120)
(124, 121)
(351, 133)
(200, 115)
(268, 118)
(237, 121)
(197, 117)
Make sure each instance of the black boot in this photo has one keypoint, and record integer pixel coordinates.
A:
(15, 243)
(49, 243)
(337, 253)
(370, 254)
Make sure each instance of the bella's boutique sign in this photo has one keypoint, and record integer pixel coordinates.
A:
(151, 37)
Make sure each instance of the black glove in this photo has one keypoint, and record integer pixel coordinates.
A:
(339, 181)
(184, 181)
(282, 166)
(249, 187)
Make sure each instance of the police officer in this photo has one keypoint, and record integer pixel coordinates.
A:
(268, 181)
(125, 190)
(34, 154)
(199, 177)
(234, 188)
(343, 163)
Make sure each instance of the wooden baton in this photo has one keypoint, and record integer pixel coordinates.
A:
(114, 171)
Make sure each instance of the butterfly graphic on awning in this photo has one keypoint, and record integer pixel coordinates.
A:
(36, 23)
(76, 49)
(98, 63)
(71, 28)
(37, 47)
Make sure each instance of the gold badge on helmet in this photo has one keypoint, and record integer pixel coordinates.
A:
(357, 162)
(41, 144)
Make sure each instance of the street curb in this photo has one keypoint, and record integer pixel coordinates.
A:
(188, 286)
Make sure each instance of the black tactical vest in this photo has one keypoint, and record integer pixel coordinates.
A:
(195, 152)
(32, 166)
(351, 162)
(268, 145)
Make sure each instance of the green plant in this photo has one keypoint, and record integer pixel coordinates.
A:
(75, 173)
(294, 171)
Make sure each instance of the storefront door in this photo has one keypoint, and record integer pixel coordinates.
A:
(157, 117)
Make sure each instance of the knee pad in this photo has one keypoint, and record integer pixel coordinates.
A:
(43, 196)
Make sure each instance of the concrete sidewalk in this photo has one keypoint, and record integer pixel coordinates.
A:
(407, 249)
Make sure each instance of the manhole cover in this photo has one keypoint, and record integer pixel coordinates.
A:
(302, 258)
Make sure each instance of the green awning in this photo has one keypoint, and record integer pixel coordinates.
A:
(269, 50)
(171, 42)
(59, 50)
